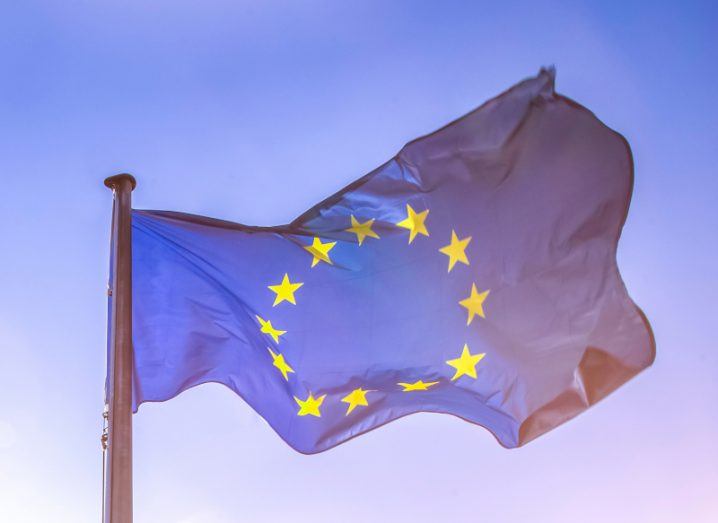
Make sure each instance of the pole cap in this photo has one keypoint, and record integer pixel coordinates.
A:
(115, 181)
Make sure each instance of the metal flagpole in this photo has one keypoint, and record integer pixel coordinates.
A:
(118, 481)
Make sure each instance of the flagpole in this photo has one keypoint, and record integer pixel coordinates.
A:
(118, 481)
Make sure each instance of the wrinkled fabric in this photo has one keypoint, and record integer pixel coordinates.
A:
(540, 185)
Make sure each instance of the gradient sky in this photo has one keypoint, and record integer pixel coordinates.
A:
(255, 111)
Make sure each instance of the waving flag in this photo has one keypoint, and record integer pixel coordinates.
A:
(473, 274)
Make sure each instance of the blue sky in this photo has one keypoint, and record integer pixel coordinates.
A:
(253, 112)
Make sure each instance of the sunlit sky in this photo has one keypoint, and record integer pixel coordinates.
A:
(255, 111)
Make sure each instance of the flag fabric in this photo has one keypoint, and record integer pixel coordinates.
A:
(473, 274)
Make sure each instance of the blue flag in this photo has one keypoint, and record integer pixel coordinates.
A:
(473, 274)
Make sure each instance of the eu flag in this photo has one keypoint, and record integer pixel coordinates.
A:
(473, 274)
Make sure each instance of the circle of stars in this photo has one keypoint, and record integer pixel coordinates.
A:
(464, 365)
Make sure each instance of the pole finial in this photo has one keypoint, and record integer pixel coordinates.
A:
(113, 182)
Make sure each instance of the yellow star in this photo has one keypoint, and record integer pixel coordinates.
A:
(285, 290)
(417, 385)
(362, 230)
(456, 250)
(320, 251)
(414, 222)
(466, 363)
(278, 361)
(355, 398)
(474, 303)
(268, 329)
(310, 405)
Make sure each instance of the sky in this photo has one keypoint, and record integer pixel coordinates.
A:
(255, 111)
